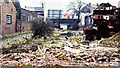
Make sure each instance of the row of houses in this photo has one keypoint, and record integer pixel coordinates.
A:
(14, 18)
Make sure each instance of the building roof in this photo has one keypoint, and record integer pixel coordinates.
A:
(88, 8)
(25, 3)
(37, 9)
(105, 5)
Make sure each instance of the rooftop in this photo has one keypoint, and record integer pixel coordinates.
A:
(37, 9)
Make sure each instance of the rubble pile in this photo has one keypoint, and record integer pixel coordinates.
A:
(19, 49)
(59, 56)
(113, 41)
(68, 51)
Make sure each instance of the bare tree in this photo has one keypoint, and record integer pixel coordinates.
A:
(75, 6)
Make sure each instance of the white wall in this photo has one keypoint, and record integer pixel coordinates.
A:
(82, 17)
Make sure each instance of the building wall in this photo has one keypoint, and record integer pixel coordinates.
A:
(8, 9)
(106, 13)
(106, 18)
(55, 14)
(0, 19)
(24, 21)
(82, 17)
(119, 4)
(25, 18)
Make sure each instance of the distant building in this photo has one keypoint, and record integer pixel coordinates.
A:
(57, 14)
(65, 23)
(106, 17)
(38, 10)
(119, 4)
(7, 17)
(105, 22)
(86, 15)
(60, 22)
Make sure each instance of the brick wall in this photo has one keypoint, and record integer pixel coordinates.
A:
(8, 9)
(0, 19)
(26, 17)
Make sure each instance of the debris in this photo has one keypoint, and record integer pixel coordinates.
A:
(46, 56)
(69, 44)
(82, 53)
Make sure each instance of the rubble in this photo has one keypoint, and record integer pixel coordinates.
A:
(82, 53)
(46, 56)
(113, 41)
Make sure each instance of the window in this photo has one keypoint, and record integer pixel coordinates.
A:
(28, 18)
(57, 16)
(101, 17)
(6, 1)
(50, 12)
(9, 19)
(56, 12)
(24, 18)
(31, 17)
(98, 17)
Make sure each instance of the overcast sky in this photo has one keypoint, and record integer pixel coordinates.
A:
(62, 4)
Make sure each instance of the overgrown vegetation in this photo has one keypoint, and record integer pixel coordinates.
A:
(41, 28)
(13, 35)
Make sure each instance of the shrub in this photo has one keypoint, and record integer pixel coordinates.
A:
(41, 28)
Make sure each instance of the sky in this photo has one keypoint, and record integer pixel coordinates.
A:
(62, 4)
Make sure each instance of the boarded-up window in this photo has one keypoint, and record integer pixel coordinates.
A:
(9, 19)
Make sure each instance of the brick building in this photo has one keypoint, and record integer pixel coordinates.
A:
(105, 22)
(16, 18)
(105, 17)
(23, 17)
(7, 17)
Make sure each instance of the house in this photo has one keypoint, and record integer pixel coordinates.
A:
(105, 22)
(23, 17)
(109, 15)
(7, 17)
(86, 15)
